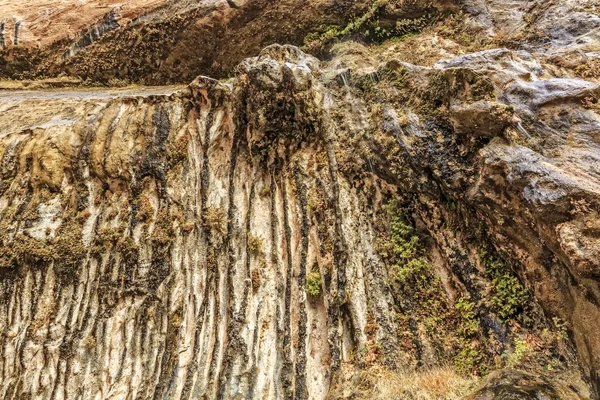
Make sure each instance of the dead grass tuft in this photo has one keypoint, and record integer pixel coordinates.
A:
(379, 383)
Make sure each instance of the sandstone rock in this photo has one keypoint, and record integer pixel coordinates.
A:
(264, 235)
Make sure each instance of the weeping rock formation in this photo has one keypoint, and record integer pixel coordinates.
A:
(230, 239)
(296, 230)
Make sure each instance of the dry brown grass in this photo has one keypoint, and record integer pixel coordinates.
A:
(379, 383)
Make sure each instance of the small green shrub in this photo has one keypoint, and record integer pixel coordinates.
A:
(369, 28)
(469, 324)
(561, 328)
(470, 359)
(510, 295)
(313, 283)
(402, 247)
(413, 268)
(520, 352)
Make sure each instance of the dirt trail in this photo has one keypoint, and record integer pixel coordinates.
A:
(87, 93)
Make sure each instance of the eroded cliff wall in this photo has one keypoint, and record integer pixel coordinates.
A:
(286, 232)
(250, 238)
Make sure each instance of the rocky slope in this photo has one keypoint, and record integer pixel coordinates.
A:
(96, 40)
(313, 229)
(41, 23)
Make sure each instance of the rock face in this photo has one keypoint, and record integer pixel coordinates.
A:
(50, 21)
(95, 39)
(506, 385)
(281, 233)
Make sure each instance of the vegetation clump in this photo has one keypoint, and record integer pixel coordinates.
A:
(177, 151)
(402, 248)
(25, 249)
(313, 283)
(589, 70)
(69, 250)
(470, 358)
(66, 250)
(265, 191)
(427, 383)
(110, 234)
(510, 295)
(255, 244)
(215, 220)
(369, 27)
(255, 279)
(521, 350)
(162, 235)
(129, 250)
(145, 209)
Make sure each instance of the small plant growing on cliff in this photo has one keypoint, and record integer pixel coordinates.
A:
(313, 283)
(265, 191)
(214, 219)
(177, 152)
(66, 249)
(470, 358)
(589, 70)
(69, 250)
(118, 82)
(368, 26)
(255, 279)
(510, 296)
(562, 329)
(129, 251)
(162, 235)
(83, 216)
(402, 248)
(255, 244)
(521, 350)
(591, 103)
(90, 342)
(145, 210)
(188, 227)
(110, 234)
(469, 325)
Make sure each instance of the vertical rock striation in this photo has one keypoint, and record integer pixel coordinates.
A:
(159, 246)
(230, 240)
